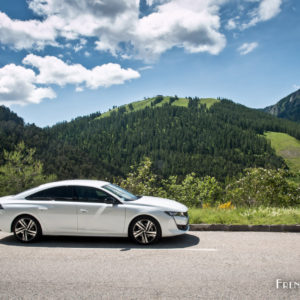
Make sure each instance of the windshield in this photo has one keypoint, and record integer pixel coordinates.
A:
(123, 194)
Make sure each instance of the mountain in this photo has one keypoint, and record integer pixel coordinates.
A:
(180, 135)
(287, 108)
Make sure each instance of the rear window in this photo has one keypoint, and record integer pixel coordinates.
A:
(56, 193)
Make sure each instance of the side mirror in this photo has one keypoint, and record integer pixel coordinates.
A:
(110, 200)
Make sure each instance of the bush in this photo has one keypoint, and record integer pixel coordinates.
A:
(256, 187)
(192, 191)
(263, 187)
(21, 171)
(141, 181)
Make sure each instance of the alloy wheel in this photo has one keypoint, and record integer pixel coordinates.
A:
(144, 231)
(26, 229)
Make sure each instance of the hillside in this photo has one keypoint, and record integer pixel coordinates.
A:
(159, 101)
(287, 147)
(13, 130)
(287, 108)
(206, 136)
(220, 141)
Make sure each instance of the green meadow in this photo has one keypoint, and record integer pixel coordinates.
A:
(286, 146)
(138, 105)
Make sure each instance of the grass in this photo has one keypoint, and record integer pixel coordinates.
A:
(181, 102)
(245, 216)
(287, 147)
(209, 102)
(138, 105)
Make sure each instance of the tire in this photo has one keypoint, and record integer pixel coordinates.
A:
(26, 229)
(145, 230)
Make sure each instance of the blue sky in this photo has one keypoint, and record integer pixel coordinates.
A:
(60, 59)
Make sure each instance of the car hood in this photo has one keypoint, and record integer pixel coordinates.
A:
(169, 205)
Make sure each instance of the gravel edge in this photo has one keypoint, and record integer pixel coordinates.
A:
(223, 227)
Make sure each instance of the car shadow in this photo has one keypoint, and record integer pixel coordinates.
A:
(124, 244)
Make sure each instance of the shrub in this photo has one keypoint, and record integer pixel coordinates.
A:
(265, 187)
(256, 187)
(141, 181)
(21, 171)
(194, 191)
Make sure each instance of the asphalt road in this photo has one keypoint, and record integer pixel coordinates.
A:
(198, 265)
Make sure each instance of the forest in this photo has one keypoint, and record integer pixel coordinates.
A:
(220, 141)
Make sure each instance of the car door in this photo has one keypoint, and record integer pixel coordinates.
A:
(56, 210)
(95, 216)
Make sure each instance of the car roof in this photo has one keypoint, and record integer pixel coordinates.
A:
(82, 182)
(79, 182)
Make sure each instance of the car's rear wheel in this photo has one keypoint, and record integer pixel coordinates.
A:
(145, 230)
(27, 229)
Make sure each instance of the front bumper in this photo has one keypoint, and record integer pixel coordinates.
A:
(176, 226)
(183, 227)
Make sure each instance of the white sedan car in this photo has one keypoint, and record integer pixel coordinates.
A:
(90, 208)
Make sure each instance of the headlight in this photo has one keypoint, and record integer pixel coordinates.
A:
(176, 214)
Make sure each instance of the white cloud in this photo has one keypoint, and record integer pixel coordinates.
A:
(82, 41)
(118, 28)
(20, 85)
(80, 45)
(247, 48)
(151, 2)
(231, 24)
(27, 34)
(89, 18)
(266, 10)
(77, 47)
(54, 71)
(192, 25)
(145, 68)
(17, 86)
(79, 89)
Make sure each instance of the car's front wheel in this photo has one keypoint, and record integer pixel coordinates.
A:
(27, 229)
(145, 230)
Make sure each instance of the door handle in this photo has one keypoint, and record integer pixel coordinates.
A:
(43, 208)
(82, 210)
